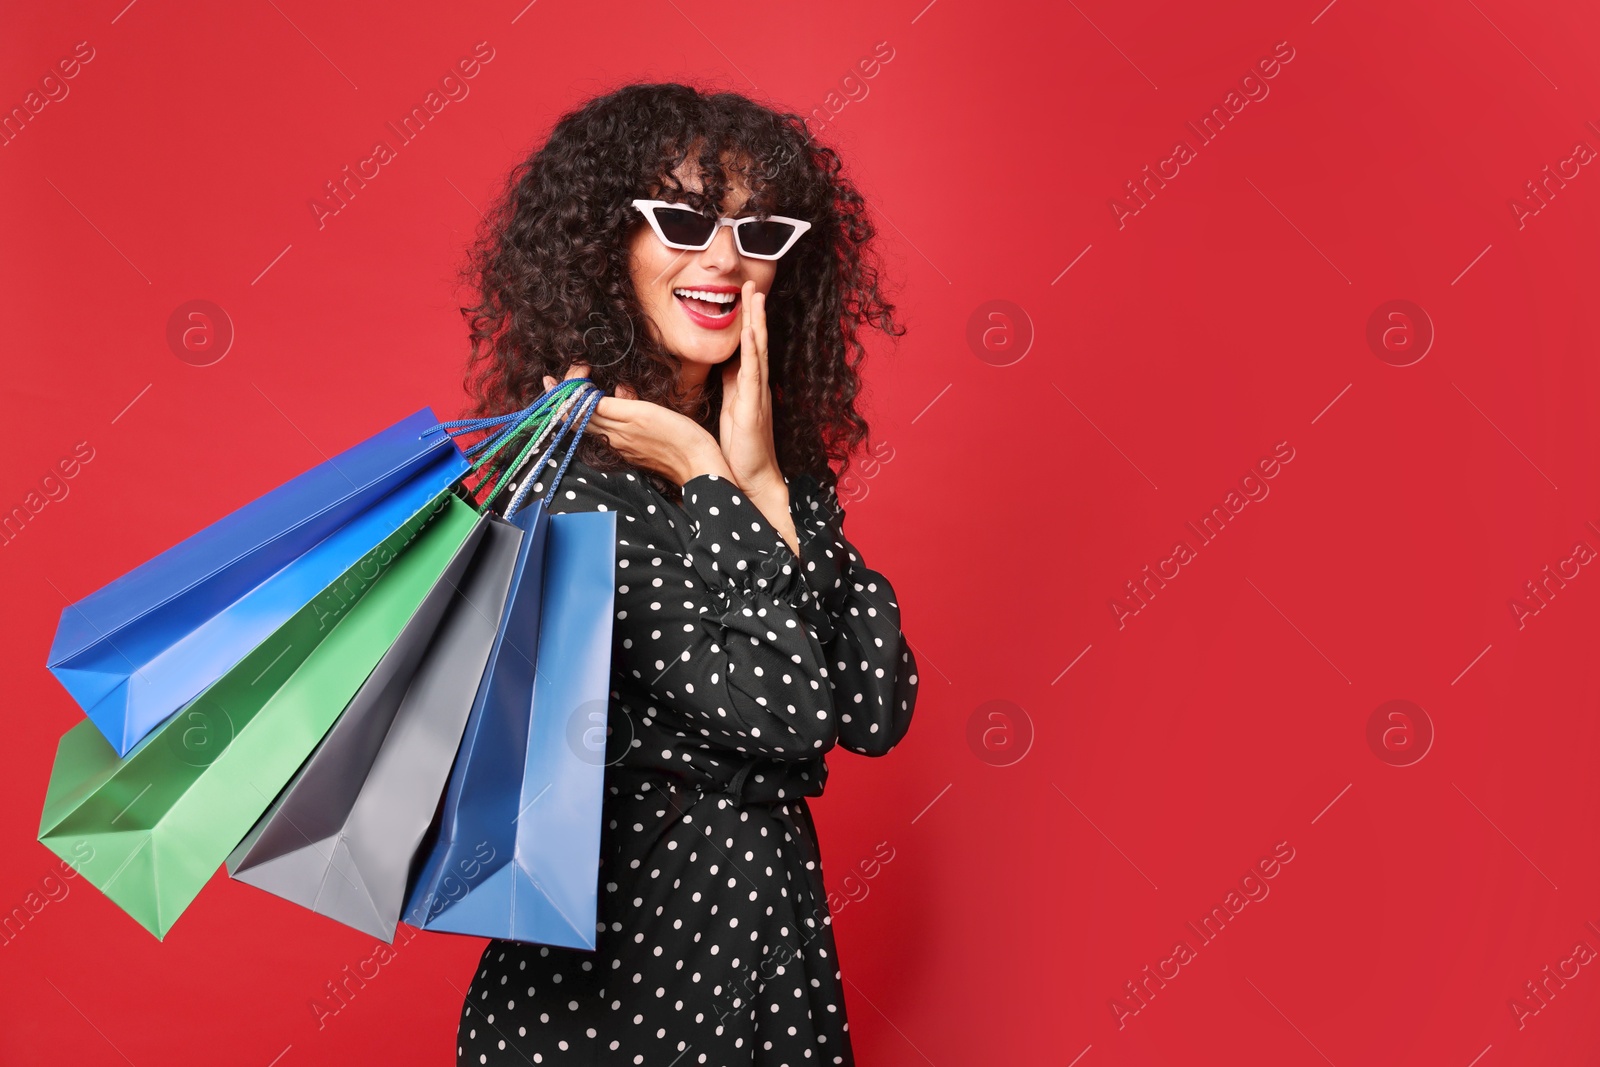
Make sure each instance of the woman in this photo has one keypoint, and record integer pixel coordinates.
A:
(749, 636)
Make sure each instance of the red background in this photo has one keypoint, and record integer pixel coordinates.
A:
(1228, 315)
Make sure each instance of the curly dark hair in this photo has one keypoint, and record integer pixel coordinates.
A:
(551, 267)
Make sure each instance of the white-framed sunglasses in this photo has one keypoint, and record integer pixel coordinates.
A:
(686, 229)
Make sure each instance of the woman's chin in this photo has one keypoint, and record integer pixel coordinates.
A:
(703, 355)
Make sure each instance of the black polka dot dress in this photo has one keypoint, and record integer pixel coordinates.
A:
(736, 667)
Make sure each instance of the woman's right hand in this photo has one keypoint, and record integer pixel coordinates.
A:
(653, 436)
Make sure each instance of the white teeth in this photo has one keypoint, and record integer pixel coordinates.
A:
(702, 294)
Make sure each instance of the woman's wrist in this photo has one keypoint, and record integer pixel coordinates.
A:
(769, 492)
(700, 460)
(771, 498)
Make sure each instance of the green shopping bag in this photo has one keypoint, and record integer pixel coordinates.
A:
(159, 821)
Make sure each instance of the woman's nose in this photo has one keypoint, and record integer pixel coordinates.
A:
(723, 253)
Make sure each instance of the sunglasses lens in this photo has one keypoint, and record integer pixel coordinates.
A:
(765, 237)
(684, 227)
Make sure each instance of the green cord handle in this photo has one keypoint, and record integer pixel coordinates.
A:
(546, 420)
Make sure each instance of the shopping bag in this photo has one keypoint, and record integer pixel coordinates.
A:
(516, 852)
(141, 647)
(341, 836)
(159, 821)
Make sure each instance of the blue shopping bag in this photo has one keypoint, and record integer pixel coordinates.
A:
(516, 853)
(137, 650)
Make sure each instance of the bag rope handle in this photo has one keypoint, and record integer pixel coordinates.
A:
(507, 475)
(588, 403)
(536, 420)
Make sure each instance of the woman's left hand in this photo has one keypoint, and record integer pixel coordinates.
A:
(745, 430)
(746, 422)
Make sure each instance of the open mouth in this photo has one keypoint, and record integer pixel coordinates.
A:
(711, 308)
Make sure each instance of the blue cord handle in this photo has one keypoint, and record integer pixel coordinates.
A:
(468, 425)
(507, 424)
(587, 403)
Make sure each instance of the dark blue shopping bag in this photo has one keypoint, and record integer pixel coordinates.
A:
(140, 648)
(516, 854)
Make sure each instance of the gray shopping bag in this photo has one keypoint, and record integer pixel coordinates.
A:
(340, 838)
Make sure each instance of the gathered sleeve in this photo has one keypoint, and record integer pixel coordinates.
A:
(872, 670)
(716, 635)
(735, 650)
